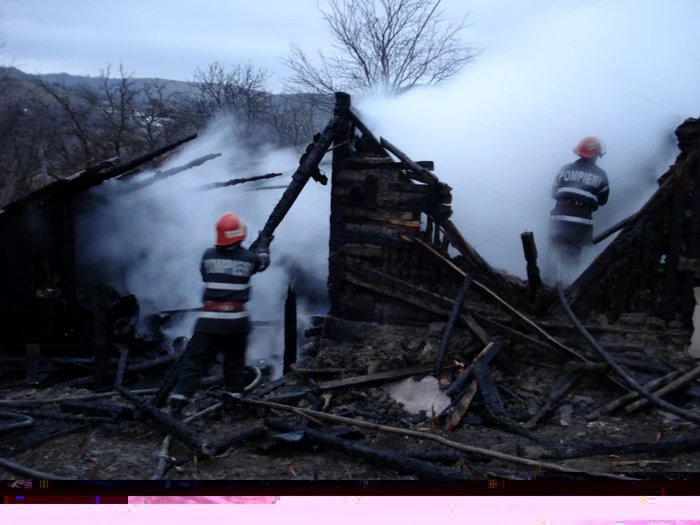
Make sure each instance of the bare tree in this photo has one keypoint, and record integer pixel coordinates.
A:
(116, 102)
(161, 115)
(391, 45)
(295, 118)
(237, 95)
(73, 137)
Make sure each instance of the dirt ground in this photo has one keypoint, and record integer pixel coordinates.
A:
(129, 450)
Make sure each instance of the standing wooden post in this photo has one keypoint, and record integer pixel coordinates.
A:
(533, 272)
(100, 342)
(33, 352)
(290, 331)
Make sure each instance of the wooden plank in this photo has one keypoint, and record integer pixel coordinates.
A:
(456, 309)
(462, 406)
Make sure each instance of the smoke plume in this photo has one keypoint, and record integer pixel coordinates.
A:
(625, 71)
(151, 241)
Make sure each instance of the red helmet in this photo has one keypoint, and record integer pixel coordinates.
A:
(229, 230)
(589, 147)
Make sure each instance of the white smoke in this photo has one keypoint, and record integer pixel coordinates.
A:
(158, 234)
(626, 71)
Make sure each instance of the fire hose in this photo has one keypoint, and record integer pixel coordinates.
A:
(655, 400)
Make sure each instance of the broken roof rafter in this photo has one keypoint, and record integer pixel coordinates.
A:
(90, 177)
(160, 175)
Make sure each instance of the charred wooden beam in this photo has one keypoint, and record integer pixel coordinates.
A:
(533, 272)
(462, 406)
(673, 386)
(100, 341)
(613, 229)
(309, 163)
(385, 458)
(495, 410)
(422, 174)
(86, 181)
(160, 175)
(651, 386)
(375, 146)
(181, 431)
(222, 446)
(560, 388)
(485, 355)
(53, 187)
(235, 182)
(290, 330)
(428, 229)
(456, 310)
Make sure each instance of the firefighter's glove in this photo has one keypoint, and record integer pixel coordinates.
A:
(264, 260)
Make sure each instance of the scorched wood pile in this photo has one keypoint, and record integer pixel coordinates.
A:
(432, 366)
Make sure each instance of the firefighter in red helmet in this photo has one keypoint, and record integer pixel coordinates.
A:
(579, 189)
(223, 323)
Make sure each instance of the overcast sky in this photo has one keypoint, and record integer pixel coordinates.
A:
(169, 39)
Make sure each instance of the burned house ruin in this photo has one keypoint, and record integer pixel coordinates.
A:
(395, 260)
(391, 235)
(391, 251)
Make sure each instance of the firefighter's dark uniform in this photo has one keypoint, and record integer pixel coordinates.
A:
(223, 325)
(579, 189)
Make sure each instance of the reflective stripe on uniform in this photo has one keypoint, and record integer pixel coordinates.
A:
(227, 286)
(577, 191)
(223, 315)
(569, 218)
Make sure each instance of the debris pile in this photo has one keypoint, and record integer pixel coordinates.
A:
(427, 366)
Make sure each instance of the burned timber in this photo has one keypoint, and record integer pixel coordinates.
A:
(483, 372)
